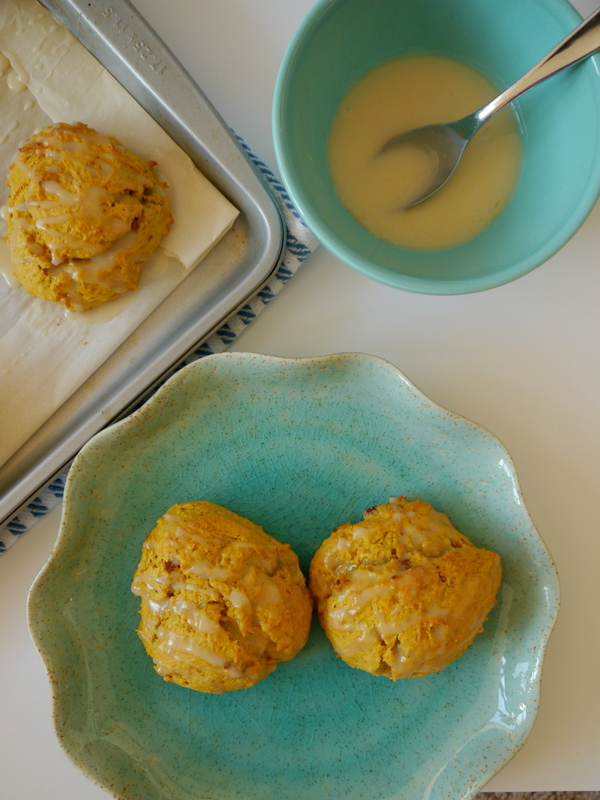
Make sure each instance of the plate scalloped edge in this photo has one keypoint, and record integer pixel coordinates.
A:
(221, 389)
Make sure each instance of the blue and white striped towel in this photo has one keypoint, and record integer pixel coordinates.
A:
(300, 244)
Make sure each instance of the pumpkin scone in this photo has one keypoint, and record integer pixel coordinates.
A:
(84, 214)
(402, 593)
(222, 601)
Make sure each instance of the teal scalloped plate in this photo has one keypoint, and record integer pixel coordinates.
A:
(298, 446)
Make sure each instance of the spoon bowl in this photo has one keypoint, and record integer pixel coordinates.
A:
(446, 142)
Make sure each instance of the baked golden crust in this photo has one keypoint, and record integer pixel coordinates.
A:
(84, 214)
(222, 601)
(402, 593)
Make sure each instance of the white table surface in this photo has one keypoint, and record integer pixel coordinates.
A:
(521, 360)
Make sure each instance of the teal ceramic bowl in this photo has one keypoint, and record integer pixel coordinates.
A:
(341, 40)
(298, 446)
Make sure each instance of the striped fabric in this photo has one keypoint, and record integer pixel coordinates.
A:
(300, 243)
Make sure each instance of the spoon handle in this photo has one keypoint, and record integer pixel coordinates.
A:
(579, 44)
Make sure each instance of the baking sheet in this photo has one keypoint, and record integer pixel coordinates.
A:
(45, 352)
(238, 267)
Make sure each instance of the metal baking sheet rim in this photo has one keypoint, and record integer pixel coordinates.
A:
(223, 161)
(32, 480)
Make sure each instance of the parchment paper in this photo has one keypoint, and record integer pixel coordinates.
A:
(46, 353)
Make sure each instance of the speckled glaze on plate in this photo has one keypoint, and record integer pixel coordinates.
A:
(298, 446)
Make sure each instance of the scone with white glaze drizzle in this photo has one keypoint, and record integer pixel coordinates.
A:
(222, 601)
(84, 214)
(402, 593)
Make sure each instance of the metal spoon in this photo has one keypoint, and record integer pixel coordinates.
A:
(447, 141)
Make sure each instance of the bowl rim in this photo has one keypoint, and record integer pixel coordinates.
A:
(371, 269)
